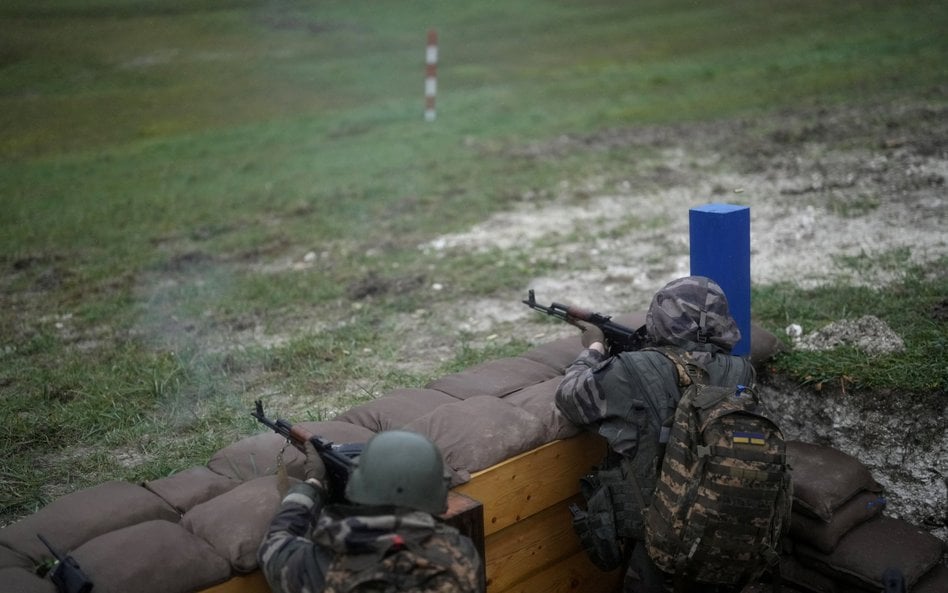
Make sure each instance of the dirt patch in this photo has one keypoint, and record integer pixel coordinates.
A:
(815, 200)
(372, 284)
(868, 334)
(826, 190)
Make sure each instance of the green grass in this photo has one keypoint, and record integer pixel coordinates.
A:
(161, 161)
(909, 304)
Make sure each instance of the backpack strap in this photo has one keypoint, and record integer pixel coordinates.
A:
(688, 371)
(677, 359)
(704, 335)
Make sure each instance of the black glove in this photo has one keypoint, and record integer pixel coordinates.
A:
(591, 334)
(313, 467)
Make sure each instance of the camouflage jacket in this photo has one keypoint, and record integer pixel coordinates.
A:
(629, 396)
(310, 549)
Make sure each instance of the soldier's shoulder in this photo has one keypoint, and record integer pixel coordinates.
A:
(650, 356)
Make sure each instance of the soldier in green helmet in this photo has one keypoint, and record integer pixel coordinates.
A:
(628, 398)
(387, 539)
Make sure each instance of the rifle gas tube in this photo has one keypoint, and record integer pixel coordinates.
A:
(620, 338)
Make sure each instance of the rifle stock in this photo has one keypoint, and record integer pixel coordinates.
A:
(338, 459)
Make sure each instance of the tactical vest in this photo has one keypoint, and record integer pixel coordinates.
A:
(642, 397)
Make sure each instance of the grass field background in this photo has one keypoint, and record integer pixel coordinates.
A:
(155, 152)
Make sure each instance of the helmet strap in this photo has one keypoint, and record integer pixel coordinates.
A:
(703, 335)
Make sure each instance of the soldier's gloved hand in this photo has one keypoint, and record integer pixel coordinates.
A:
(591, 334)
(313, 467)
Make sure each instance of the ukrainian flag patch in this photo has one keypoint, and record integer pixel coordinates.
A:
(749, 438)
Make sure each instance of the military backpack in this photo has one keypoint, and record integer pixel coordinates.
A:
(724, 492)
(429, 565)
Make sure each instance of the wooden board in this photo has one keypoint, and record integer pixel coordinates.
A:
(245, 583)
(575, 574)
(528, 483)
(527, 547)
(467, 516)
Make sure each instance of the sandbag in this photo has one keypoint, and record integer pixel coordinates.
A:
(478, 432)
(12, 558)
(933, 581)
(824, 535)
(21, 580)
(235, 522)
(151, 557)
(395, 409)
(540, 401)
(187, 488)
(73, 519)
(338, 433)
(825, 478)
(256, 456)
(764, 346)
(792, 571)
(864, 553)
(495, 377)
(557, 354)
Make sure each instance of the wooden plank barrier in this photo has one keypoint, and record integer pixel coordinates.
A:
(243, 583)
(527, 537)
(530, 544)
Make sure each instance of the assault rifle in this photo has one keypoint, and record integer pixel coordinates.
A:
(66, 574)
(338, 458)
(619, 338)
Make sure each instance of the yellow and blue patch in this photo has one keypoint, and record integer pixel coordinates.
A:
(749, 438)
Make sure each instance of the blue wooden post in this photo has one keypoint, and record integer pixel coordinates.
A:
(720, 250)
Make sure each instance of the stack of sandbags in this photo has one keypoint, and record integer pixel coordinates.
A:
(111, 529)
(840, 540)
(183, 533)
(201, 526)
(479, 416)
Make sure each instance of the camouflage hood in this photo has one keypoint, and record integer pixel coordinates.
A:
(343, 531)
(692, 313)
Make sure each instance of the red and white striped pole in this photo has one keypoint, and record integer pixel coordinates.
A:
(431, 69)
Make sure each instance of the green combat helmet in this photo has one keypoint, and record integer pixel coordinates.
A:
(400, 468)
